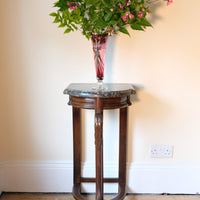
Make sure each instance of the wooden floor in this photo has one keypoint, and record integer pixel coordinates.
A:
(26, 196)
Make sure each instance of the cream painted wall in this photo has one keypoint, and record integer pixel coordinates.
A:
(37, 61)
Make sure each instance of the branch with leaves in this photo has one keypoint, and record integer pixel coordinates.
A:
(102, 16)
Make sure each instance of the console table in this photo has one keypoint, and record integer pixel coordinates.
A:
(115, 96)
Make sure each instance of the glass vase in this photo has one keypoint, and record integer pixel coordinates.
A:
(99, 43)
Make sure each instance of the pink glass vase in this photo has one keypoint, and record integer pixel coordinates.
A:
(99, 43)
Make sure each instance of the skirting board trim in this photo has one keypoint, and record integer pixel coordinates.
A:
(57, 176)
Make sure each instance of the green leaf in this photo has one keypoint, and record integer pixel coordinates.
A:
(67, 30)
(100, 24)
(61, 4)
(124, 30)
(137, 27)
(74, 26)
(91, 2)
(108, 16)
(88, 36)
(56, 20)
(112, 22)
(56, 3)
(94, 19)
(144, 22)
(61, 25)
(53, 14)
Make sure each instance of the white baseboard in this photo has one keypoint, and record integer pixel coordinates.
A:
(141, 177)
(157, 178)
(37, 176)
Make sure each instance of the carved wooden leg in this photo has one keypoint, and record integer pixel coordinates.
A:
(77, 151)
(99, 148)
(122, 154)
(122, 150)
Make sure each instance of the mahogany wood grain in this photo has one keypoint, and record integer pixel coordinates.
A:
(77, 144)
(99, 147)
(105, 180)
(122, 150)
(108, 103)
(99, 104)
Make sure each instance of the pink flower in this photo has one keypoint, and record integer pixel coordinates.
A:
(127, 3)
(140, 15)
(126, 13)
(142, 9)
(72, 7)
(169, 2)
(131, 16)
(111, 9)
(121, 7)
(124, 18)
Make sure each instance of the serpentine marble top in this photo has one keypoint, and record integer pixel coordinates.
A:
(111, 90)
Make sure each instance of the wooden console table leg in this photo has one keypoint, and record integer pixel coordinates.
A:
(99, 147)
(122, 151)
(77, 151)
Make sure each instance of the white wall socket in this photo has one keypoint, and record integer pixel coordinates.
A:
(161, 151)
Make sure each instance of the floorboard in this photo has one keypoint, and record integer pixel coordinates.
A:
(28, 196)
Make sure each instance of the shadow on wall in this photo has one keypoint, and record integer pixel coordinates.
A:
(110, 51)
(154, 16)
(147, 109)
(149, 106)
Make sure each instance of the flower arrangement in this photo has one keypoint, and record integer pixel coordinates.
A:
(103, 16)
(98, 19)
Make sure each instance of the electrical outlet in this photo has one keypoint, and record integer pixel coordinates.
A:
(161, 151)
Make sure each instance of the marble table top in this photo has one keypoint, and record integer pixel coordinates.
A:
(88, 90)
